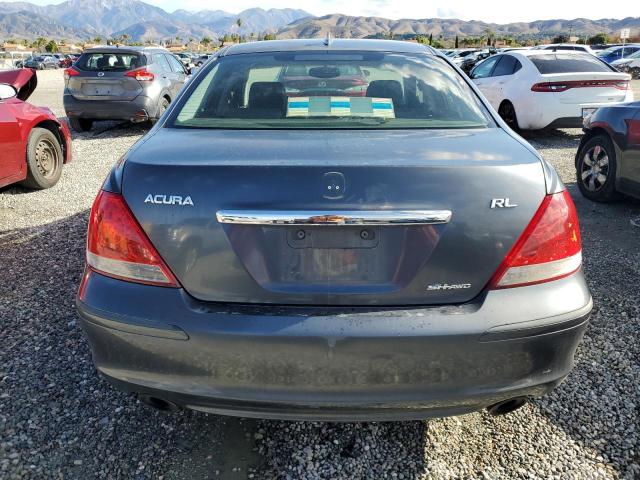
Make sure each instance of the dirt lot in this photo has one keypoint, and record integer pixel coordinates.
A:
(59, 420)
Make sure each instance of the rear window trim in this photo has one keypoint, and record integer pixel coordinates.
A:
(177, 105)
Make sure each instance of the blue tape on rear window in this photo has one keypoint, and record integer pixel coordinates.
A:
(340, 107)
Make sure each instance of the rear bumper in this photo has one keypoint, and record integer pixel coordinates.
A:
(326, 364)
(140, 108)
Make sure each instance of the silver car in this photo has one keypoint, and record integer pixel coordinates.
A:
(121, 83)
(390, 251)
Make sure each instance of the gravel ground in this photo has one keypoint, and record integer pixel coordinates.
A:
(59, 420)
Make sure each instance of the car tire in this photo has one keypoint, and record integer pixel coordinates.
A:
(81, 124)
(596, 169)
(508, 113)
(162, 107)
(635, 72)
(44, 159)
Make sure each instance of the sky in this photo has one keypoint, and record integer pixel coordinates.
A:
(494, 11)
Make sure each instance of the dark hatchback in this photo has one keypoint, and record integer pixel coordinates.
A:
(397, 255)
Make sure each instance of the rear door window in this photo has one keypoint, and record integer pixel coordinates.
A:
(176, 65)
(484, 69)
(161, 61)
(568, 63)
(109, 61)
(506, 66)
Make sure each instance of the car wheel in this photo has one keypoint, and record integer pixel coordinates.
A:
(164, 104)
(508, 113)
(81, 124)
(596, 169)
(40, 67)
(44, 159)
(635, 72)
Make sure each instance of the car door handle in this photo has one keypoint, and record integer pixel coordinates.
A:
(337, 217)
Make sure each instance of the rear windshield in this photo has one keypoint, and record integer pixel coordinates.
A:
(110, 61)
(568, 63)
(329, 90)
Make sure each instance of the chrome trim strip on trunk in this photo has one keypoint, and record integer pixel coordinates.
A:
(327, 217)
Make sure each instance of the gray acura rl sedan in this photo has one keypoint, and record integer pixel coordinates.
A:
(363, 240)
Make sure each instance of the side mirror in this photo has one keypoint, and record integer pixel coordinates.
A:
(7, 91)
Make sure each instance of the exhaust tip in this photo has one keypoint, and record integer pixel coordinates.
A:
(158, 403)
(506, 406)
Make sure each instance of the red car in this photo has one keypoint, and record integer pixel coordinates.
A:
(33, 141)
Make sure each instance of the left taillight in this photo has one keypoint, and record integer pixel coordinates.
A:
(118, 247)
(70, 72)
(141, 74)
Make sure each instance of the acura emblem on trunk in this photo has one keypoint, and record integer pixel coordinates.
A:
(169, 200)
(334, 185)
(101, 74)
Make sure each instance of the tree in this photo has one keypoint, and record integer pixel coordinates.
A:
(39, 43)
(51, 46)
(206, 41)
(97, 40)
(598, 39)
(269, 36)
(456, 41)
(560, 39)
(488, 34)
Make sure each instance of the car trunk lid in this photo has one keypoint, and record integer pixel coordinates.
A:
(267, 217)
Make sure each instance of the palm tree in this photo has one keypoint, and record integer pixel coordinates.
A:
(488, 34)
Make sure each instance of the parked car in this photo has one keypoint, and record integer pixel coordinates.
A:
(41, 62)
(459, 56)
(399, 255)
(185, 58)
(607, 162)
(612, 54)
(67, 60)
(630, 65)
(121, 83)
(570, 47)
(202, 59)
(34, 143)
(536, 89)
(472, 60)
(324, 80)
(604, 46)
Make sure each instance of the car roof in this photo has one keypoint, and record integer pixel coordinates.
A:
(337, 44)
(543, 51)
(125, 48)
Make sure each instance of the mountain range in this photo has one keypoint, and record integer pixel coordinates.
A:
(85, 19)
(357, 27)
(82, 19)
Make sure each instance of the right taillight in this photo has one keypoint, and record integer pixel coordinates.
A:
(141, 74)
(118, 247)
(548, 249)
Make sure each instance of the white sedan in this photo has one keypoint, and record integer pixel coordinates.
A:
(536, 89)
